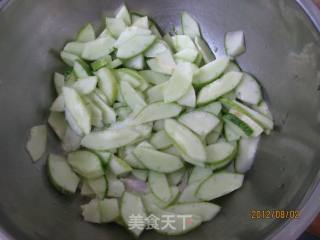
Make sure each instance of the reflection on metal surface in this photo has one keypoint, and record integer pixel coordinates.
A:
(312, 10)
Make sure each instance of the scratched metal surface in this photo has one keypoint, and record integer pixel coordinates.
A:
(283, 53)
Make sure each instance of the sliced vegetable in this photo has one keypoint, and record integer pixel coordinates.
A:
(199, 122)
(158, 161)
(135, 46)
(98, 48)
(247, 152)
(37, 142)
(132, 205)
(189, 26)
(109, 210)
(204, 50)
(234, 43)
(77, 109)
(108, 84)
(159, 185)
(189, 98)
(199, 174)
(86, 33)
(85, 85)
(86, 164)
(187, 141)
(219, 184)
(219, 87)
(61, 174)
(220, 151)
(119, 167)
(58, 124)
(249, 91)
(210, 71)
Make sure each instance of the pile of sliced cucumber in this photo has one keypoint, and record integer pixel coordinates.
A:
(152, 124)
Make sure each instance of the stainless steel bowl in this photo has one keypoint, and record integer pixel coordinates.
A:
(282, 52)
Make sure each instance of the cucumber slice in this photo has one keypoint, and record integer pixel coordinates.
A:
(234, 43)
(129, 73)
(115, 186)
(104, 33)
(124, 14)
(188, 55)
(155, 94)
(265, 122)
(127, 154)
(179, 83)
(86, 190)
(189, 98)
(232, 67)
(200, 122)
(207, 211)
(72, 123)
(75, 48)
(158, 125)
(135, 46)
(109, 210)
(158, 47)
(219, 151)
(116, 26)
(108, 114)
(131, 205)
(219, 87)
(68, 58)
(96, 113)
(249, 91)
(264, 109)
(142, 22)
(71, 140)
(159, 185)
(37, 142)
(85, 85)
(101, 62)
(238, 124)
(86, 164)
(157, 111)
(98, 48)
(109, 139)
(175, 178)
(129, 33)
(181, 42)
(61, 174)
(199, 174)
(81, 69)
(98, 186)
(77, 109)
(154, 77)
(119, 167)
(189, 193)
(247, 151)
(58, 80)
(104, 157)
(108, 84)
(115, 63)
(205, 51)
(150, 200)
(210, 71)
(58, 104)
(91, 211)
(154, 29)
(189, 26)
(124, 76)
(219, 184)
(214, 108)
(186, 140)
(230, 133)
(257, 130)
(86, 33)
(123, 113)
(136, 62)
(160, 140)
(133, 99)
(157, 161)
(140, 174)
(162, 63)
(58, 124)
